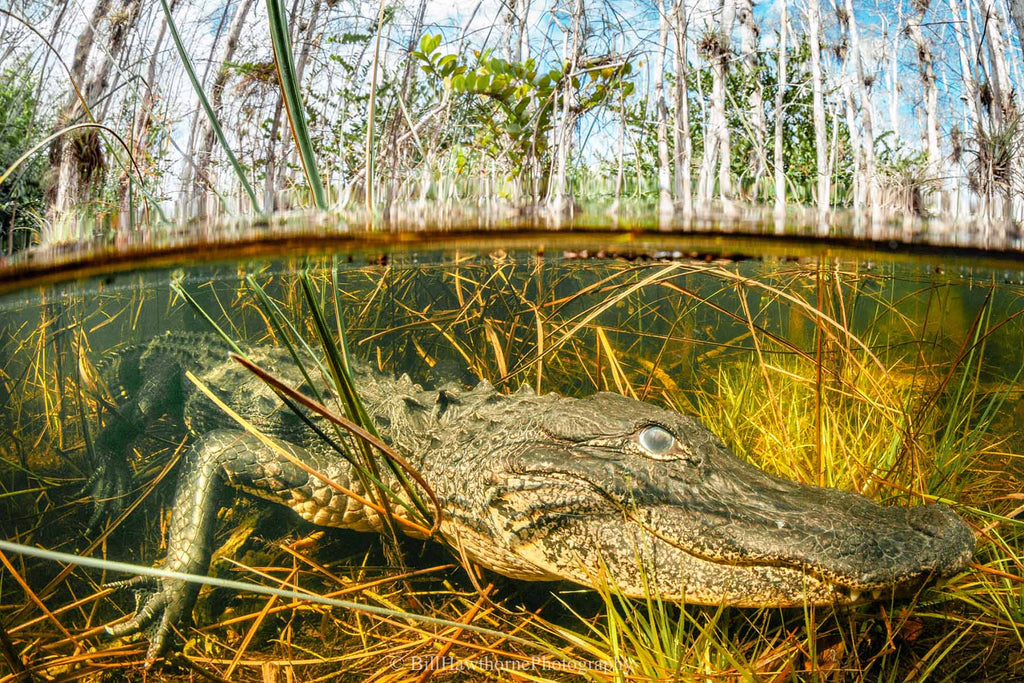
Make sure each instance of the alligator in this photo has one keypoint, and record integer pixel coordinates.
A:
(534, 487)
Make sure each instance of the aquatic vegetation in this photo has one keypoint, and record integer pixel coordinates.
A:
(890, 379)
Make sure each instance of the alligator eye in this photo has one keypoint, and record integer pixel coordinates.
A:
(657, 441)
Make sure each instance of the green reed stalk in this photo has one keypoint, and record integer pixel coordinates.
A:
(208, 108)
(341, 373)
(288, 78)
(366, 475)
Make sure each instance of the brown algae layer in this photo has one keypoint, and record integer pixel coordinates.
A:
(716, 239)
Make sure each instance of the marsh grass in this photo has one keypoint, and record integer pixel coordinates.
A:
(890, 380)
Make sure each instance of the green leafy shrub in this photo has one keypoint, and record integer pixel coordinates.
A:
(22, 195)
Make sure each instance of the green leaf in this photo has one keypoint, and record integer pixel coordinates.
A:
(429, 43)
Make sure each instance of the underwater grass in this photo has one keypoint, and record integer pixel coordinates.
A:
(893, 385)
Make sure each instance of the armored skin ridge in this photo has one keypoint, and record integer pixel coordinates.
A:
(533, 487)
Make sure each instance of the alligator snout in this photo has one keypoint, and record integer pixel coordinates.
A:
(923, 542)
(839, 537)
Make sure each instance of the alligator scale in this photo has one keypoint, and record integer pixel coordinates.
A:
(533, 487)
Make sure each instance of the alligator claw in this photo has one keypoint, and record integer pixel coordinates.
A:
(157, 612)
(107, 486)
(136, 582)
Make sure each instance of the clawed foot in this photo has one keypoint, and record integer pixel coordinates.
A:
(157, 610)
(107, 486)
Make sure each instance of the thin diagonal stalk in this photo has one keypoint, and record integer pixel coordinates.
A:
(341, 374)
(283, 453)
(242, 587)
(214, 123)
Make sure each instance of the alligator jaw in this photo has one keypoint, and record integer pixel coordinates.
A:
(871, 552)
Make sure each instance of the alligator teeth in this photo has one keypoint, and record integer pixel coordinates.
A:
(854, 596)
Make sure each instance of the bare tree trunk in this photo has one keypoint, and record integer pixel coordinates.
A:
(749, 33)
(866, 111)
(969, 82)
(894, 84)
(820, 144)
(1016, 8)
(859, 177)
(1010, 108)
(833, 152)
(931, 92)
(717, 46)
(66, 153)
(1009, 31)
(621, 160)
(557, 196)
(721, 74)
(79, 160)
(398, 123)
(681, 130)
(523, 53)
(144, 116)
(206, 135)
(189, 174)
(974, 47)
(780, 95)
(513, 29)
(664, 174)
(1001, 86)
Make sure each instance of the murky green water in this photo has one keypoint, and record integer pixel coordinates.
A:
(900, 380)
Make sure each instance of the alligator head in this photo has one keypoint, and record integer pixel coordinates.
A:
(650, 499)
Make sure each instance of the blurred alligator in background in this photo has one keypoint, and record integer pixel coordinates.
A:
(533, 487)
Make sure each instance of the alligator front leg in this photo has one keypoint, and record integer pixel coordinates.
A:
(158, 394)
(220, 457)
